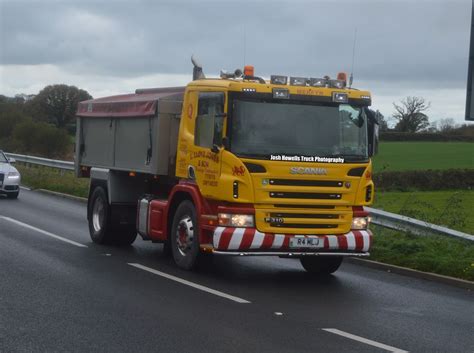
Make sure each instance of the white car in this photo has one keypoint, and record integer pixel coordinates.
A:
(9, 177)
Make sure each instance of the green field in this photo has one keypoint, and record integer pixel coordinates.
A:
(398, 156)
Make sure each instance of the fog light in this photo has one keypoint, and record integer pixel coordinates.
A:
(360, 223)
(235, 220)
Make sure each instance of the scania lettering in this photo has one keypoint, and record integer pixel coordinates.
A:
(234, 165)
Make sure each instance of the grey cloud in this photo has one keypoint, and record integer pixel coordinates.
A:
(423, 41)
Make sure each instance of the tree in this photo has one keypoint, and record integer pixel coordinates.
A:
(57, 104)
(409, 114)
(447, 125)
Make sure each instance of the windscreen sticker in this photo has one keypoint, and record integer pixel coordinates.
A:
(283, 157)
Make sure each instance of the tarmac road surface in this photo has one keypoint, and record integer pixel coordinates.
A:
(61, 292)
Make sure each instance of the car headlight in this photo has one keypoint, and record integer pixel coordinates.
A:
(360, 222)
(235, 220)
(13, 175)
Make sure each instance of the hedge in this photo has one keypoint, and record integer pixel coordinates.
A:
(423, 136)
(425, 180)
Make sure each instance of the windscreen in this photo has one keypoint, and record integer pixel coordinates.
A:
(269, 130)
(3, 159)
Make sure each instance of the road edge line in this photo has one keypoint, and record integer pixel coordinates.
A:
(429, 276)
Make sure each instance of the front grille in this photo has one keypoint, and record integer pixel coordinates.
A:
(304, 215)
(298, 182)
(304, 195)
(2, 176)
(304, 226)
(11, 187)
(321, 207)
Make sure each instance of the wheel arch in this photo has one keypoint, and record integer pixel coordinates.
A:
(180, 193)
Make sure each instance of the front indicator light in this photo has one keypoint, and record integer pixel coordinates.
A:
(235, 220)
(359, 223)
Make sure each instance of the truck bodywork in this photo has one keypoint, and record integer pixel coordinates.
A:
(180, 166)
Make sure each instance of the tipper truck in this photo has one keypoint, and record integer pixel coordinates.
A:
(234, 165)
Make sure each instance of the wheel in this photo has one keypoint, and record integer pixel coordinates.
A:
(321, 265)
(184, 236)
(101, 228)
(13, 195)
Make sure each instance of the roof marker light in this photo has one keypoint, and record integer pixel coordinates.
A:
(278, 80)
(281, 93)
(339, 97)
(337, 84)
(318, 82)
(298, 81)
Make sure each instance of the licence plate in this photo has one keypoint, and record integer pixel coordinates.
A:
(306, 243)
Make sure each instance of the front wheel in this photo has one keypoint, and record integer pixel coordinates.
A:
(184, 237)
(321, 265)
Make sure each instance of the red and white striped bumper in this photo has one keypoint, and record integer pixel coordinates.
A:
(243, 239)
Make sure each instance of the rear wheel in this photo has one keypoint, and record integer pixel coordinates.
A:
(184, 237)
(101, 228)
(321, 265)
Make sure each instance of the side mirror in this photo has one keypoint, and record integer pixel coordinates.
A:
(225, 143)
(372, 132)
(12, 160)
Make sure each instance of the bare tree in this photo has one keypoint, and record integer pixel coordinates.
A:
(409, 114)
(447, 125)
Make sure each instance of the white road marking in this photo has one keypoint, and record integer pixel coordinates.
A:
(191, 284)
(8, 219)
(364, 340)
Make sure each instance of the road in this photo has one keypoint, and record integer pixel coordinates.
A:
(61, 292)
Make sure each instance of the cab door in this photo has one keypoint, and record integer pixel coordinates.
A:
(204, 158)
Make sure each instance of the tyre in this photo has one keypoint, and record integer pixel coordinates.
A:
(13, 195)
(321, 265)
(100, 228)
(125, 235)
(184, 236)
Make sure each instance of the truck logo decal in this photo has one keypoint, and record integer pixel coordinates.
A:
(311, 171)
(277, 220)
(238, 171)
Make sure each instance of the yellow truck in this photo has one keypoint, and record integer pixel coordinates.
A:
(235, 165)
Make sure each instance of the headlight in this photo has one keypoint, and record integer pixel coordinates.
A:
(13, 175)
(235, 220)
(360, 222)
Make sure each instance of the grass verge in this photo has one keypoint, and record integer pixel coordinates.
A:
(38, 177)
(436, 254)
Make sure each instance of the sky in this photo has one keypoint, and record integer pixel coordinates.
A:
(402, 48)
